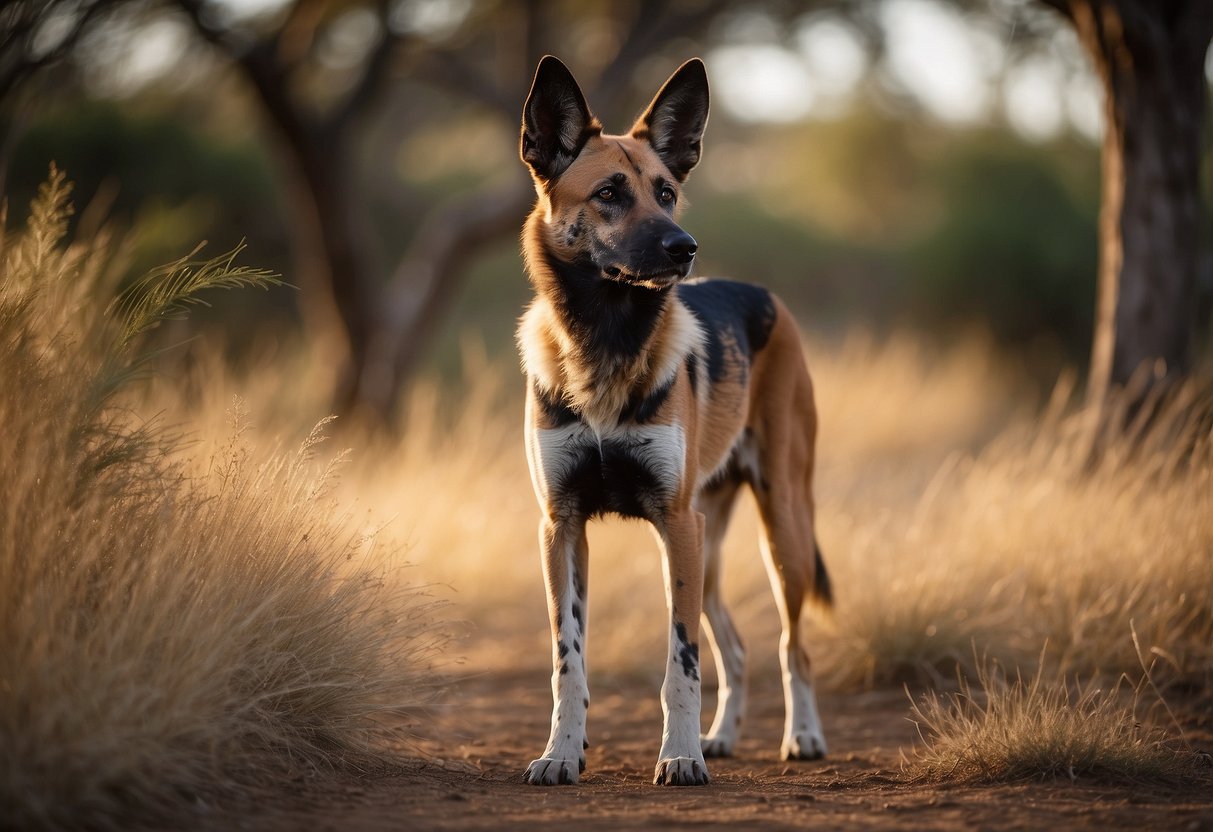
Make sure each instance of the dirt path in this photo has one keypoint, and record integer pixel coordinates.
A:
(495, 724)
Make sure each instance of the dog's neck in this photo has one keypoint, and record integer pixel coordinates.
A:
(599, 343)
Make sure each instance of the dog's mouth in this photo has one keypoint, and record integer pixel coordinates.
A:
(653, 280)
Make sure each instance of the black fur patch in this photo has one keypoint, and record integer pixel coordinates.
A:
(615, 482)
(608, 319)
(822, 589)
(745, 313)
(693, 372)
(551, 410)
(641, 409)
(688, 653)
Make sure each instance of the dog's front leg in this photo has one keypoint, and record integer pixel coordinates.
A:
(565, 570)
(680, 762)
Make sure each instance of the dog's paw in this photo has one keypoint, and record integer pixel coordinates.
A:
(803, 746)
(681, 771)
(717, 745)
(548, 771)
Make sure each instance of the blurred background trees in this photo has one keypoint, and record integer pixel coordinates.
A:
(890, 163)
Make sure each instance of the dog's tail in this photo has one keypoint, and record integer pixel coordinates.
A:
(822, 594)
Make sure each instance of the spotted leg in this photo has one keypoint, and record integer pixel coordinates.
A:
(565, 569)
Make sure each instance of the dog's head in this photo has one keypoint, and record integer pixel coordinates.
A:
(610, 202)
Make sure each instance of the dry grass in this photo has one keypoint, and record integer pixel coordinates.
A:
(1017, 729)
(1027, 542)
(176, 626)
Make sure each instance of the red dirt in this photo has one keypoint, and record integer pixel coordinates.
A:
(491, 726)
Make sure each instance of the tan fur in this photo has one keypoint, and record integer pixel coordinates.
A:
(761, 416)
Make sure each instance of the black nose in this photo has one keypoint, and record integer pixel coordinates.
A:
(680, 246)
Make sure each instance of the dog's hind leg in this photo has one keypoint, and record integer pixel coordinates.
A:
(715, 501)
(793, 564)
(565, 571)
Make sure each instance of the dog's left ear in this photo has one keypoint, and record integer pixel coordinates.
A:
(674, 123)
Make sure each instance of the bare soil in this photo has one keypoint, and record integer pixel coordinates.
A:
(490, 726)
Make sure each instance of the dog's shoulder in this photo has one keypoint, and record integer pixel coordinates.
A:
(736, 318)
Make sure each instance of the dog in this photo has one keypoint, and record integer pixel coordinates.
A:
(657, 397)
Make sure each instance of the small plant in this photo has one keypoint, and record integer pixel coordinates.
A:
(1018, 729)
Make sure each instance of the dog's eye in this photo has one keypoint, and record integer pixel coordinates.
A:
(606, 194)
(667, 194)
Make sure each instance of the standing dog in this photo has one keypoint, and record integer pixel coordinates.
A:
(655, 397)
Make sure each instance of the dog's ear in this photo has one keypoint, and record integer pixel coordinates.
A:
(556, 122)
(674, 123)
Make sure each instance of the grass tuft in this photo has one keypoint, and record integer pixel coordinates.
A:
(177, 626)
(1011, 729)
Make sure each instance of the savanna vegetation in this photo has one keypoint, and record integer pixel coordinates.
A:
(214, 594)
(184, 617)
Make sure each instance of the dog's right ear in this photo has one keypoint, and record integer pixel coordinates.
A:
(556, 122)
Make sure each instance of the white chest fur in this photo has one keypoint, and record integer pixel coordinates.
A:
(630, 469)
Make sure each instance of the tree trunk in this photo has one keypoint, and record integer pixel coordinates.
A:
(342, 286)
(339, 281)
(418, 296)
(1150, 56)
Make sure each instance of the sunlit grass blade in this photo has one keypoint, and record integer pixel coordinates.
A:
(169, 291)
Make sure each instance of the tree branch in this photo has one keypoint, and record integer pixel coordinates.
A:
(447, 70)
(374, 72)
(429, 277)
(24, 63)
(653, 25)
(295, 37)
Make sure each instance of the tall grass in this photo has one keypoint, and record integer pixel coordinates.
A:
(177, 622)
(1029, 541)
